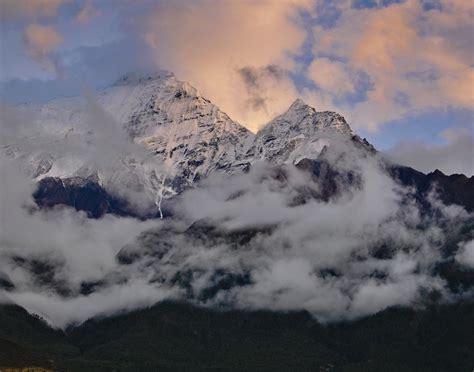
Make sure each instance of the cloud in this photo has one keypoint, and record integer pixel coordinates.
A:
(94, 145)
(266, 232)
(210, 43)
(40, 42)
(87, 13)
(80, 249)
(456, 156)
(260, 83)
(30, 9)
(62, 312)
(374, 65)
(290, 265)
(93, 66)
(465, 255)
(75, 249)
(416, 59)
(331, 76)
(313, 256)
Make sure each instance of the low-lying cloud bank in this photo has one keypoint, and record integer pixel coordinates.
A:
(262, 239)
(363, 250)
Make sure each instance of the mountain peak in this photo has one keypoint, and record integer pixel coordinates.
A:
(188, 135)
(302, 118)
(159, 83)
(299, 106)
(298, 103)
(134, 78)
(300, 132)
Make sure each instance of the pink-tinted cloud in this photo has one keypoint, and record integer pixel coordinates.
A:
(209, 43)
(417, 60)
(414, 59)
(331, 76)
(40, 43)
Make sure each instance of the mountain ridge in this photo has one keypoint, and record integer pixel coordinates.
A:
(281, 204)
(166, 138)
(183, 135)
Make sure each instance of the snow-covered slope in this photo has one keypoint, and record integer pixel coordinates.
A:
(301, 132)
(187, 133)
(185, 136)
(171, 118)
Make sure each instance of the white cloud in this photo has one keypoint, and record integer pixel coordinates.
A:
(465, 255)
(314, 256)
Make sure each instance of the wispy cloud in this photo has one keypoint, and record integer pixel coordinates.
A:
(40, 43)
(215, 41)
(374, 64)
(87, 12)
(416, 59)
(28, 9)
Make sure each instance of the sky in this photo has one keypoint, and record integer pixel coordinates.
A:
(401, 72)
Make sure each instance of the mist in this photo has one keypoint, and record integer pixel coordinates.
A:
(267, 238)
(366, 249)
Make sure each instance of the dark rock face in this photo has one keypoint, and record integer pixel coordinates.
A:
(50, 192)
(43, 273)
(84, 195)
(89, 287)
(332, 181)
(87, 196)
(170, 245)
(5, 282)
(454, 189)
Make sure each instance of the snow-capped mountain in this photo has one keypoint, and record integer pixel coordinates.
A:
(301, 132)
(184, 137)
(147, 138)
(184, 130)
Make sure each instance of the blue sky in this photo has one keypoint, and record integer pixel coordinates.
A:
(399, 71)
